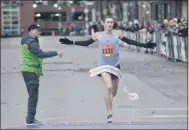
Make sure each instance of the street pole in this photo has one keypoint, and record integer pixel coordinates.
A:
(93, 15)
(86, 11)
(125, 11)
(60, 16)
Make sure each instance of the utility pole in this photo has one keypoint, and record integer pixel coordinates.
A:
(60, 16)
(125, 11)
(86, 11)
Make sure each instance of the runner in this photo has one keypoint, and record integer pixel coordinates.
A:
(109, 55)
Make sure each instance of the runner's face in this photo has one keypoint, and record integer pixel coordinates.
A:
(108, 24)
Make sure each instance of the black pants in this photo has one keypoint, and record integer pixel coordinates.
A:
(32, 84)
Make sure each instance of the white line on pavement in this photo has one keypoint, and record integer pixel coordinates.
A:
(166, 116)
(157, 109)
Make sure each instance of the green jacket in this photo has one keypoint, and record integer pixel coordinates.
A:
(32, 55)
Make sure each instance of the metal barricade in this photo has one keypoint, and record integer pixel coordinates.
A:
(183, 48)
(142, 38)
(177, 48)
(172, 46)
(170, 43)
(186, 47)
(138, 36)
(133, 37)
(179, 43)
(128, 34)
(161, 44)
(138, 39)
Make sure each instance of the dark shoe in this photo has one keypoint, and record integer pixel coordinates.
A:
(109, 119)
(35, 122)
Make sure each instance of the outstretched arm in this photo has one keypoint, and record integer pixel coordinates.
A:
(133, 42)
(79, 43)
(35, 50)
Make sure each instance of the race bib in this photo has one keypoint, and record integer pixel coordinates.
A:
(107, 50)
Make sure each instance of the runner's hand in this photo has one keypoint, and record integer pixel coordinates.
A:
(66, 41)
(59, 53)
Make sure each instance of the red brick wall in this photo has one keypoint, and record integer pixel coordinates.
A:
(26, 15)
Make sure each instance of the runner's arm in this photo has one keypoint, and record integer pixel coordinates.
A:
(133, 42)
(79, 43)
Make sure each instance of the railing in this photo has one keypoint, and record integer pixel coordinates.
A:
(173, 47)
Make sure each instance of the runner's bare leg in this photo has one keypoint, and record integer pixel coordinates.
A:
(108, 97)
(115, 84)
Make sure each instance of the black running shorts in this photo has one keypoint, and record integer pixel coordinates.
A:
(112, 75)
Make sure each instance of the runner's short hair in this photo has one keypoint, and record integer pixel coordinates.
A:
(109, 16)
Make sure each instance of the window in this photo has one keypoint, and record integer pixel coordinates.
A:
(15, 22)
(78, 16)
(50, 16)
(45, 2)
(14, 32)
(14, 27)
(52, 2)
(6, 17)
(6, 27)
(58, 16)
(76, 2)
(6, 22)
(14, 6)
(64, 16)
(45, 16)
(38, 2)
(14, 12)
(55, 18)
(6, 2)
(15, 17)
(6, 13)
(55, 1)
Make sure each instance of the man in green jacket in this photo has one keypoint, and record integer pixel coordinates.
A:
(32, 57)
